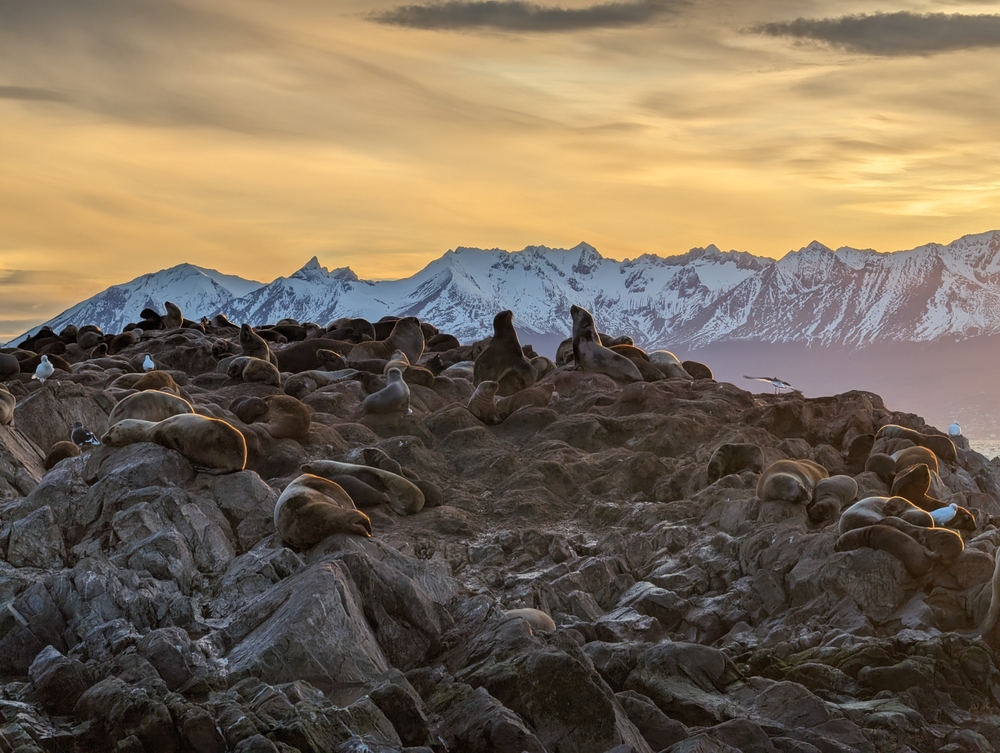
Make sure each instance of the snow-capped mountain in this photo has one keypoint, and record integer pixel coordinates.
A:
(813, 296)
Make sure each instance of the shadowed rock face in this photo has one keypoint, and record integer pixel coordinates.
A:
(150, 606)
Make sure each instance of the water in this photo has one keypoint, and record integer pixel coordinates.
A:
(988, 447)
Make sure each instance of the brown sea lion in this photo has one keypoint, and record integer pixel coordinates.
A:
(697, 370)
(790, 480)
(939, 444)
(305, 355)
(284, 417)
(590, 355)
(913, 484)
(363, 495)
(911, 456)
(669, 364)
(830, 497)
(538, 396)
(538, 619)
(733, 458)
(352, 330)
(916, 558)
(211, 444)
(29, 364)
(946, 543)
(406, 335)
(252, 344)
(405, 498)
(256, 370)
(483, 403)
(503, 361)
(881, 465)
(9, 366)
(89, 337)
(872, 510)
(156, 380)
(7, 403)
(60, 451)
(312, 508)
(173, 318)
(393, 398)
(149, 405)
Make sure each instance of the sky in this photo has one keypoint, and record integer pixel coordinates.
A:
(248, 136)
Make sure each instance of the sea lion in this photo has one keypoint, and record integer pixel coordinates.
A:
(9, 366)
(441, 343)
(254, 345)
(733, 458)
(352, 330)
(872, 510)
(881, 465)
(483, 403)
(946, 543)
(363, 495)
(173, 318)
(538, 396)
(330, 360)
(542, 365)
(406, 336)
(590, 355)
(304, 355)
(564, 353)
(256, 370)
(211, 444)
(397, 360)
(697, 370)
(393, 398)
(912, 456)
(669, 364)
(120, 342)
(60, 451)
(89, 337)
(913, 485)
(150, 405)
(7, 403)
(404, 496)
(830, 496)
(916, 558)
(790, 480)
(538, 619)
(156, 380)
(939, 444)
(503, 361)
(30, 364)
(284, 417)
(312, 508)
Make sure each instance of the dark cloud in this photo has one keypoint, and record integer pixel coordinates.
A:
(901, 33)
(31, 93)
(515, 15)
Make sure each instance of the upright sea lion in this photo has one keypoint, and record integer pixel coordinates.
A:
(733, 458)
(150, 405)
(406, 336)
(872, 510)
(590, 355)
(939, 444)
(397, 360)
(174, 318)
(405, 498)
(830, 497)
(210, 444)
(916, 558)
(312, 508)
(503, 361)
(790, 480)
(483, 403)
(7, 403)
(913, 485)
(254, 345)
(393, 398)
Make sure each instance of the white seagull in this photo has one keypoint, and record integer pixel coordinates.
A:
(43, 370)
(778, 384)
(944, 515)
(954, 430)
(148, 364)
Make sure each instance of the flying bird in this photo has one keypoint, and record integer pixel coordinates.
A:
(778, 384)
(148, 364)
(44, 370)
(82, 436)
(954, 430)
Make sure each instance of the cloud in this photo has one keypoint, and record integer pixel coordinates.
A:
(888, 34)
(31, 93)
(516, 15)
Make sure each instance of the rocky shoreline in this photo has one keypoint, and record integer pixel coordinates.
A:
(146, 605)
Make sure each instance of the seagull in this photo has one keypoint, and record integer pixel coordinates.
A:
(44, 370)
(148, 364)
(944, 515)
(778, 384)
(954, 430)
(81, 436)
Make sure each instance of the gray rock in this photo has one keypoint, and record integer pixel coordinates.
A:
(36, 541)
(58, 681)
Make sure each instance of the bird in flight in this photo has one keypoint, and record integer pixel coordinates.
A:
(778, 384)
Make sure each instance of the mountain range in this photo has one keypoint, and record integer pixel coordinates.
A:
(821, 316)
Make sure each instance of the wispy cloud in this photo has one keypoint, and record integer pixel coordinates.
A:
(31, 93)
(515, 15)
(901, 33)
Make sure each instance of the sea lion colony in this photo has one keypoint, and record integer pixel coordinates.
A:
(497, 553)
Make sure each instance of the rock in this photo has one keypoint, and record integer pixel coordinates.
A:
(36, 541)
(58, 681)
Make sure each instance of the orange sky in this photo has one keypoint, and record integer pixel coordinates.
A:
(249, 136)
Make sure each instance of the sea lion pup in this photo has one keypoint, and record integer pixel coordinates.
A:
(939, 444)
(330, 360)
(120, 342)
(7, 403)
(590, 355)
(254, 345)
(150, 405)
(363, 495)
(211, 444)
(483, 403)
(503, 361)
(60, 451)
(281, 416)
(916, 558)
(669, 364)
(251, 369)
(157, 380)
(697, 370)
(406, 336)
(790, 480)
(733, 458)
(830, 497)
(312, 508)
(173, 318)
(538, 396)
(881, 465)
(405, 498)
(536, 618)
(393, 398)
(912, 456)
(873, 510)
